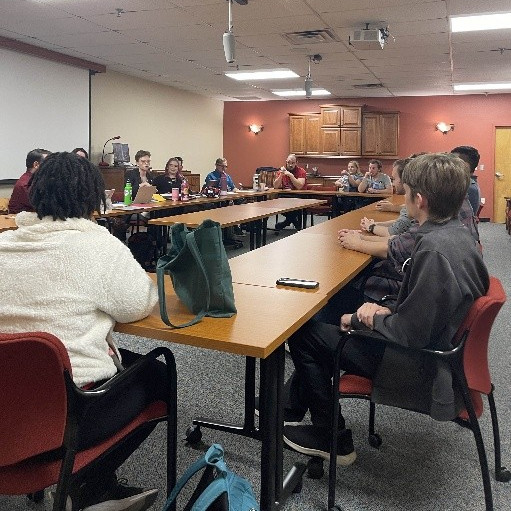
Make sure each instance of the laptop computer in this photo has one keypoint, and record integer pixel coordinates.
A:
(144, 194)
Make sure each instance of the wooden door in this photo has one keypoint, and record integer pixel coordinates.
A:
(502, 181)
(330, 141)
(351, 116)
(297, 134)
(351, 141)
(370, 134)
(312, 134)
(330, 116)
(389, 133)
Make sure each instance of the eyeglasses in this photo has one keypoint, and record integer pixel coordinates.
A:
(224, 166)
(144, 161)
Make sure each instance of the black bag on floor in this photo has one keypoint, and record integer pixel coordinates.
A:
(143, 248)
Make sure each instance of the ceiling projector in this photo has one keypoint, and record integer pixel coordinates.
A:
(368, 39)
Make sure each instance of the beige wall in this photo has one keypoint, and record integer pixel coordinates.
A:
(163, 120)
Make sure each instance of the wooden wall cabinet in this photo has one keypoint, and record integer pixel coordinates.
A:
(304, 134)
(344, 131)
(380, 133)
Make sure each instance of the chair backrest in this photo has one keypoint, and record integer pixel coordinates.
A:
(33, 400)
(478, 324)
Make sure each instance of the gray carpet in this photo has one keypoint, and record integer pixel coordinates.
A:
(422, 464)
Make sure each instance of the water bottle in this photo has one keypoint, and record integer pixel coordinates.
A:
(223, 184)
(127, 193)
(185, 195)
(255, 182)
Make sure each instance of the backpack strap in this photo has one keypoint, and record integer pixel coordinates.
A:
(213, 456)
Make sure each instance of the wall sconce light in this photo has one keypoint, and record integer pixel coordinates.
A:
(255, 128)
(444, 127)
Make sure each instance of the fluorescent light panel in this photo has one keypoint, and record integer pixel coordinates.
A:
(481, 22)
(262, 74)
(300, 92)
(481, 86)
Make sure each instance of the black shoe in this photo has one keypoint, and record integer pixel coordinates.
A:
(280, 225)
(315, 441)
(117, 497)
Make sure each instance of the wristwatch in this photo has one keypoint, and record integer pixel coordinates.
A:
(371, 228)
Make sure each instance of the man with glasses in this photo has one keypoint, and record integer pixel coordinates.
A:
(290, 177)
(215, 175)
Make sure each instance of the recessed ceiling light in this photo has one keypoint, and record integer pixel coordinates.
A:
(480, 22)
(262, 74)
(481, 86)
(300, 92)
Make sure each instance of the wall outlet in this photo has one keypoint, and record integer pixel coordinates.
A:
(483, 200)
(481, 167)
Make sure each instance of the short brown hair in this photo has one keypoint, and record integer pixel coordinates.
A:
(443, 179)
(399, 165)
(141, 154)
(376, 162)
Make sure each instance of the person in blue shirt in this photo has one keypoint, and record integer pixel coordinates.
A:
(215, 175)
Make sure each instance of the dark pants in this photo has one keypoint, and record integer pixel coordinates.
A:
(312, 349)
(110, 415)
(295, 218)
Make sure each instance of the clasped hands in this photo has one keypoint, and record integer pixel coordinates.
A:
(349, 238)
(365, 314)
(384, 205)
(365, 223)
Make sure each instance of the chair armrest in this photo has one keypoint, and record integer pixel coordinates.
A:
(126, 376)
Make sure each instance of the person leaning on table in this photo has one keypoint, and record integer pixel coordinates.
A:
(374, 180)
(443, 278)
(78, 281)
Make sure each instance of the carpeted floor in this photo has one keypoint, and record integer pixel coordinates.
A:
(421, 465)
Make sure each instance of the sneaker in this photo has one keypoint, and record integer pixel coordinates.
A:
(125, 498)
(118, 497)
(289, 420)
(315, 441)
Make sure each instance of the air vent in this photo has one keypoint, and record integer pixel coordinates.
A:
(369, 86)
(247, 98)
(311, 37)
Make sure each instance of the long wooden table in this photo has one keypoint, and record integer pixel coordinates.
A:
(254, 214)
(316, 255)
(242, 335)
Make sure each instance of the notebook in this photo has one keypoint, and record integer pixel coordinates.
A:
(145, 194)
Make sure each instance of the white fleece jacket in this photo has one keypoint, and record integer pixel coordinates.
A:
(75, 280)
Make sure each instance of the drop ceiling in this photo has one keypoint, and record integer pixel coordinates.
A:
(179, 42)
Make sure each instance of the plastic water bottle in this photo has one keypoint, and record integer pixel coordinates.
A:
(223, 184)
(127, 193)
(185, 193)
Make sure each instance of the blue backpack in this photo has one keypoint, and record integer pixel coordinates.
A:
(219, 489)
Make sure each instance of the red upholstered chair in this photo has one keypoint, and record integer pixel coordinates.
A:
(323, 209)
(41, 412)
(469, 365)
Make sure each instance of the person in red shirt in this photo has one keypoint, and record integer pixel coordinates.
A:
(19, 200)
(290, 177)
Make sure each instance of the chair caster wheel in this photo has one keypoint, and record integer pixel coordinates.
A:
(375, 440)
(315, 468)
(36, 497)
(193, 435)
(503, 475)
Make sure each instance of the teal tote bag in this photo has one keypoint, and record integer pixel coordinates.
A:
(199, 269)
